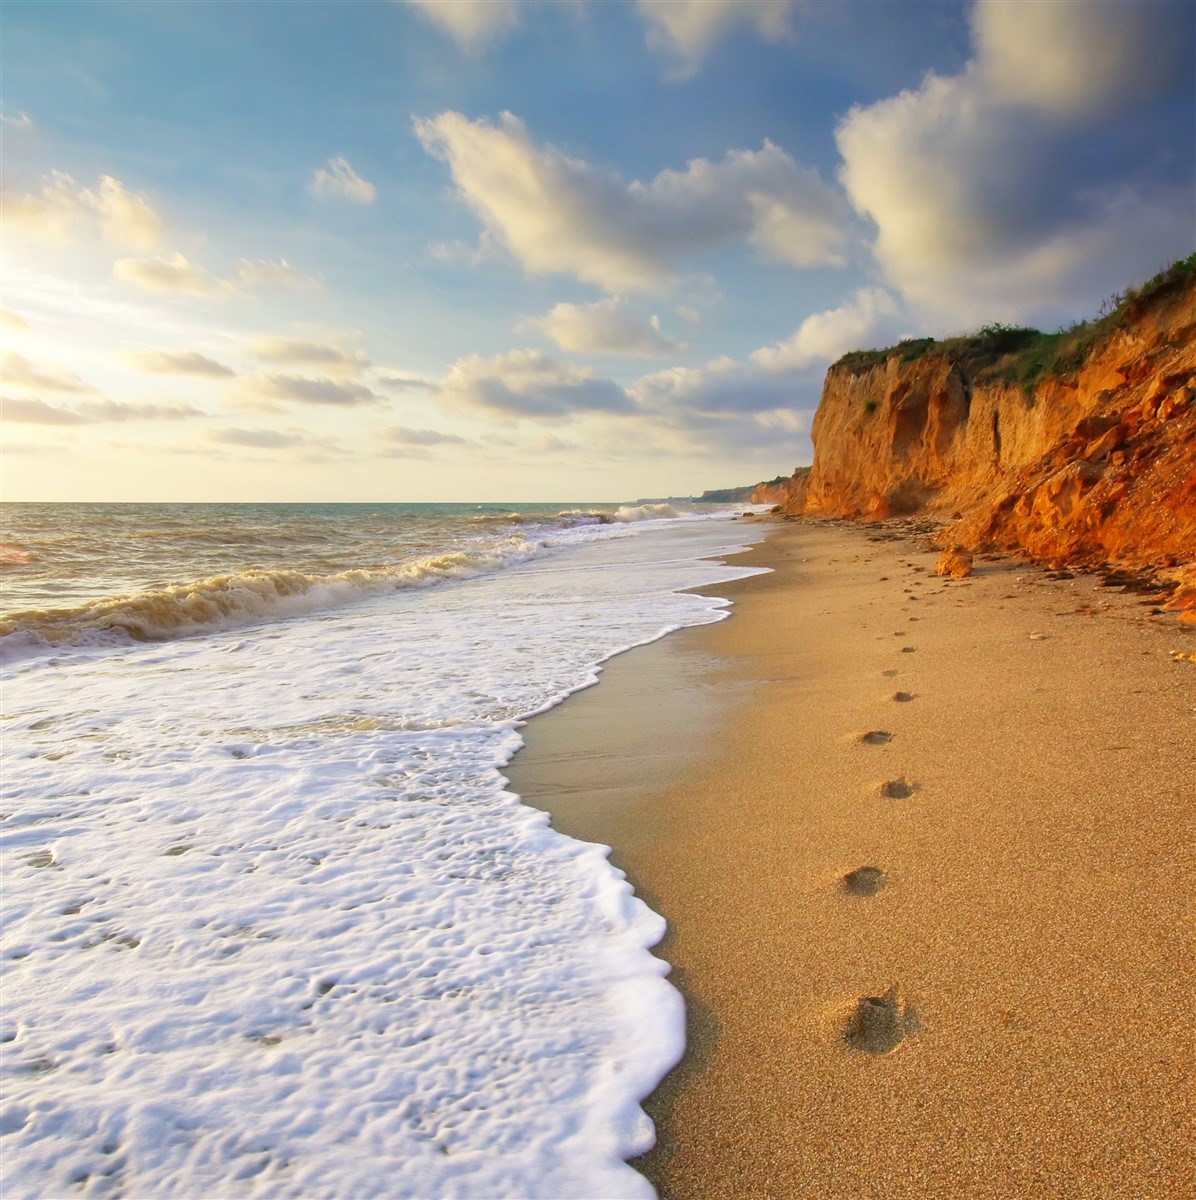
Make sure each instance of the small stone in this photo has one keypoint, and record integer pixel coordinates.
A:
(864, 881)
(956, 562)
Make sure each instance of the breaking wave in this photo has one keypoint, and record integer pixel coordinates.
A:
(624, 515)
(229, 601)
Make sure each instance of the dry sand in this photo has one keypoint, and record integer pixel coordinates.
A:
(1039, 877)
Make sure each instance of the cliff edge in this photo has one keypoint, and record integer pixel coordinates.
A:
(1077, 447)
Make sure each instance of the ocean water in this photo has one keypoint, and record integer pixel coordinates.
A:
(272, 925)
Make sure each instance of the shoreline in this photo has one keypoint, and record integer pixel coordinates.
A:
(1038, 873)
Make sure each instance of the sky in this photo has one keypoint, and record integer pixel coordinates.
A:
(417, 250)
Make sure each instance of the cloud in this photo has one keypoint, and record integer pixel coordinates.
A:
(555, 213)
(20, 372)
(986, 189)
(337, 180)
(606, 327)
(264, 273)
(471, 23)
(95, 412)
(183, 362)
(12, 320)
(21, 121)
(723, 387)
(456, 251)
(405, 383)
(260, 439)
(299, 352)
(1079, 59)
(688, 28)
(170, 276)
(684, 28)
(421, 437)
(526, 383)
(178, 276)
(65, 208)
(301, 389)
(871, 315)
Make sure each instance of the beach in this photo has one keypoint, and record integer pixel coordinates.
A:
(1013, 753)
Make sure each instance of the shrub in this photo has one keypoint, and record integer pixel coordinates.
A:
(1017, 354)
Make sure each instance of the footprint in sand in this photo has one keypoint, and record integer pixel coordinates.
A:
(864, 881)
(897, 789)
(876, 737)
(903, 697)
(881, 1023)
(907, 649)
(891, 673)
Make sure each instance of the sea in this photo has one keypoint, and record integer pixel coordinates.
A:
(273, 923)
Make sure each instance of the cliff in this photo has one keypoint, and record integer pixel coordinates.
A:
(736, 495)
(782, 490)
(1077, 447)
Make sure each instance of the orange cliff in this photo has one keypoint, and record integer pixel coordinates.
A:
(1093, 462)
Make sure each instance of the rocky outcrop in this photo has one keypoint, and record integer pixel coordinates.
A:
(787, 491)
(1088, 465)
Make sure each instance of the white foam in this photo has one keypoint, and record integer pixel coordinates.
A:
(273, 926)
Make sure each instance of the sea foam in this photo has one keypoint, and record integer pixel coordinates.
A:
(273, 926)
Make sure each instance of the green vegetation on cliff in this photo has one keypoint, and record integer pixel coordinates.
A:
(1021, 355)
(739, 494)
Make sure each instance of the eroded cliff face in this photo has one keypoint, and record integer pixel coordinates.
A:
(1097, 466)
(789, 493)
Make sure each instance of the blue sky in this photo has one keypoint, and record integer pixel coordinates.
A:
(492, 249)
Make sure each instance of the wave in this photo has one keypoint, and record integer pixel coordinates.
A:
(626, 514)
(229, 601)
(15, 555)
(645, 512)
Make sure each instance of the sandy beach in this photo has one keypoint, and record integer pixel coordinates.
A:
(1014, 755)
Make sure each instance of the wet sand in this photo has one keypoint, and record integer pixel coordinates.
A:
(1027, 800)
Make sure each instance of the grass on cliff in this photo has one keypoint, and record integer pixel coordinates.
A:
(1021, 355)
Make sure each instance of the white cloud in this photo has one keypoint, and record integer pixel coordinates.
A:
(291, 351)
(264, 273)
(20, 373)
(178, 276)
(337, 180)
(987, 199)
(94, 412)
(869, 315)
(526, 383)
(300, 389)
(471, 23)
(65, 208)
(170, 276)
(690, 316)
(21, 121)
(605, 327)
(183, 362)
(688, 28)
(556, 213)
